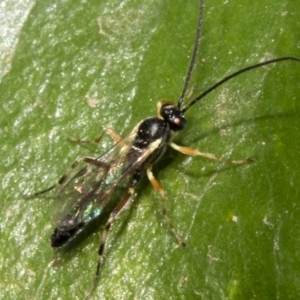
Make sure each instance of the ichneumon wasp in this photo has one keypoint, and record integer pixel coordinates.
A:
(90, 184)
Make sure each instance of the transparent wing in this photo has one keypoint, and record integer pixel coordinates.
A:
(90, 185)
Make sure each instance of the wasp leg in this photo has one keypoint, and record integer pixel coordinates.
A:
(194, 152)
(63, 179)
(104, 236)
(108, 131)
(156, 185)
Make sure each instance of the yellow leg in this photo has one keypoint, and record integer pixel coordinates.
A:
(194, 152)
(156, 185)
(159, 188)
(108, 131)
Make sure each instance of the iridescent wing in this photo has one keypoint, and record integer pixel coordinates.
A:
(91, 185)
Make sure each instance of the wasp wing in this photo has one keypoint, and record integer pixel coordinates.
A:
(84, 196)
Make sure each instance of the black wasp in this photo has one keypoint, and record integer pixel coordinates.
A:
(91, 183)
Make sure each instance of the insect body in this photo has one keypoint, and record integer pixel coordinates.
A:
(91, 183)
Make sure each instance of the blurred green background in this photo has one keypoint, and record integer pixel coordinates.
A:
(72, 68)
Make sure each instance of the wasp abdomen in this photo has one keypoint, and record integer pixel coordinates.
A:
(60, 237)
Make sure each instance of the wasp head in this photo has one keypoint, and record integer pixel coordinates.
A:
(172, 115)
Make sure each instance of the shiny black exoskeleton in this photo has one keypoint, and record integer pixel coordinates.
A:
(153, 135)
(158, 131)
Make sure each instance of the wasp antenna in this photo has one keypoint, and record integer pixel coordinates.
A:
(194, 55)
(227, 78)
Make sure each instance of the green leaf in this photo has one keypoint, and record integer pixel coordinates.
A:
(73, 68)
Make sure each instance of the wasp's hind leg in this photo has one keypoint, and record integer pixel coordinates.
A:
(194, 152)
(114, 214)
(156, 185)
(108, 131)
(63, 179)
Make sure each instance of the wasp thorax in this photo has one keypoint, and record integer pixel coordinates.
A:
(150, 130)
(174, 116)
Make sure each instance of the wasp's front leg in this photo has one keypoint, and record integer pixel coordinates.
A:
(195, 152)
